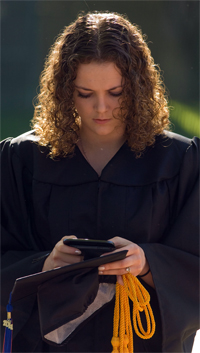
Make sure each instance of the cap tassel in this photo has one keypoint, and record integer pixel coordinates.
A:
(7, 343)
(122, 340)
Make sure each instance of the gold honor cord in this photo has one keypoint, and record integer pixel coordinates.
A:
(122, 340)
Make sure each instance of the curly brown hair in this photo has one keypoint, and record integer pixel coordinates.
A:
(100, 37)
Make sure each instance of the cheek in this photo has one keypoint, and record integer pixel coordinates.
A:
(82, 106)
(114, 103)
(77, 104)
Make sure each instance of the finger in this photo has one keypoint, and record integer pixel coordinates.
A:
(120, 280)
(129, 251)
(119, 272)
(66, 260)
(131, 248)
(119, 267)
(60, 246)
(120, 242)
(72, 236)
(129, 261)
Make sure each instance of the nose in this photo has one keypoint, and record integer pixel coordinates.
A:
(101, 104)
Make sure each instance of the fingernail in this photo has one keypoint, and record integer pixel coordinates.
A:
(101, 268)
(78, 252)
(100, 272)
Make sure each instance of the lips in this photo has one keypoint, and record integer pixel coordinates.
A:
(101, 121)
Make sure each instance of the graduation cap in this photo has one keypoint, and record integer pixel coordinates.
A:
(68, 295)
(58, 294)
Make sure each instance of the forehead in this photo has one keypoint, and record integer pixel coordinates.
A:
(98, 75)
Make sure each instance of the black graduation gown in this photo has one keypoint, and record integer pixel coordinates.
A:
(152, 201)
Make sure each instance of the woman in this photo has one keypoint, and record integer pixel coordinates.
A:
(101, 165)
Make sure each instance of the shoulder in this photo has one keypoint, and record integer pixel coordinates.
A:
(174, 146)
(20, 151)
(20, 143)
(171, 152)
(171, 155)
(23, 153)
(170, 142)
(24, 145)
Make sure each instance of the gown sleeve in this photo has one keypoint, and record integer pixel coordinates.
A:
(21, 255)
(174, 263)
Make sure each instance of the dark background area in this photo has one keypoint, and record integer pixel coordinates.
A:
(29, 28)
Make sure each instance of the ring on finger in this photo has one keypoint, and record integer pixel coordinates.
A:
(128, 269)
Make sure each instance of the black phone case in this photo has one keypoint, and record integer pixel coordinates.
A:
(88, 249)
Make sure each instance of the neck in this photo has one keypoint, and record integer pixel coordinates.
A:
(99, 150)
(92, 141)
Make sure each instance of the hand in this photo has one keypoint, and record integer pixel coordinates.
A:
(62, 255)
(135, 260)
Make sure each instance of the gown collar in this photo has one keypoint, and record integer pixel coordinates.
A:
(159, 162)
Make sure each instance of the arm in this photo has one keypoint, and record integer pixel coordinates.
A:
(174, 262)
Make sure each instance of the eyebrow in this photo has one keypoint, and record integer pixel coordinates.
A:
(88, 89)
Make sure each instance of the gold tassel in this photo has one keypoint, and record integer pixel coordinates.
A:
(122, 340)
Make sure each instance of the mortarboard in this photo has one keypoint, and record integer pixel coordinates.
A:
(75, 292)
(69, 290)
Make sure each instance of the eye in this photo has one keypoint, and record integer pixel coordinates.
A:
(84, 95)
(116, 94)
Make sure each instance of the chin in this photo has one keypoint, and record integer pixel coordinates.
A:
(104, 133)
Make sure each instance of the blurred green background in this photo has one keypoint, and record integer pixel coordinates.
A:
(29, 28)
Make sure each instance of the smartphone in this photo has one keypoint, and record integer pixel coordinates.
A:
(90, 248)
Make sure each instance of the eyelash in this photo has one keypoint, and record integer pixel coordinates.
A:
(88, 95)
